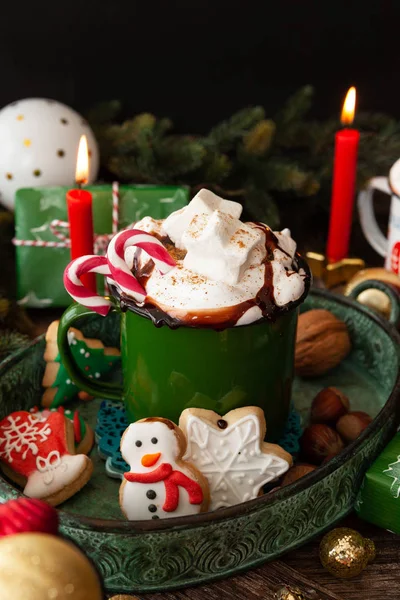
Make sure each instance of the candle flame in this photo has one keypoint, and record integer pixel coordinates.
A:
(82, 162)
(347, 116)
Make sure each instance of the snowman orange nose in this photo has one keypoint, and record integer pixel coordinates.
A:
(148, 460)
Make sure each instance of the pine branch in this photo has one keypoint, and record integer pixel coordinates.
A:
(11, 341)
(179, 155)
(260, 206)
(267, 160)
(227, 133)
(296, 107)
(217, 167)
(259, 139)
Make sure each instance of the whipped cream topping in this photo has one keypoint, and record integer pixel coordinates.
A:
(227, 271)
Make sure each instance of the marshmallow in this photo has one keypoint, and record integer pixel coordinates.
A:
(220, 247)
(287, 244)
(205, 202)
(288, 285)
(149, 225)
(224, 262)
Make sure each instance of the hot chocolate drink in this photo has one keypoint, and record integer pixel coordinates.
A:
(228, 272)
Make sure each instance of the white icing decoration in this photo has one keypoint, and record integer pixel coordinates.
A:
(48, 465)
(55, 475)
(238, 473)
(22, 437)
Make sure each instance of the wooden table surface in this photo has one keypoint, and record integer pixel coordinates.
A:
(300, 568)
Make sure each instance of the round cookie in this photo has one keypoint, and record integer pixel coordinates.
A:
(39, 566)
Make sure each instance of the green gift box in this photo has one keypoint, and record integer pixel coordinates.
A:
(378, 500)
(40, 267)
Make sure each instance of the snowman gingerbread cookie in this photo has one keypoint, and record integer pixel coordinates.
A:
(231, 453)
(160, 484)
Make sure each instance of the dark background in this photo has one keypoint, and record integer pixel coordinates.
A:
(197, 61)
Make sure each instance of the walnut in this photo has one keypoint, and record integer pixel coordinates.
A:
(322, 343)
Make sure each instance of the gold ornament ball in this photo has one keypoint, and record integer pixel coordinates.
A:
(289, 593)
(345, 553)
(124, 597)
(44, 567)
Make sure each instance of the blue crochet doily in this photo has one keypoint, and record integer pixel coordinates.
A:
(112, 422)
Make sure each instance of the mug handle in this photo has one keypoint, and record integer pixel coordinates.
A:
(390, 291)
(369, 226)
(111, 391)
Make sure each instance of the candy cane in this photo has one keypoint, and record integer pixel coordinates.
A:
(119, 269)
(76, 289)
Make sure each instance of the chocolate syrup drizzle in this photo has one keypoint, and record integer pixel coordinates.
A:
(217, 318)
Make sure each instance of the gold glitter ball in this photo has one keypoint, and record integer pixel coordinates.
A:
(289, 593)
(345, 553)
(124, 597)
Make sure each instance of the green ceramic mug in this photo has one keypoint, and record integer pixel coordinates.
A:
(167, 370)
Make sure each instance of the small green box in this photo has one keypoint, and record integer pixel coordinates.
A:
(378, 500)
(40, 269)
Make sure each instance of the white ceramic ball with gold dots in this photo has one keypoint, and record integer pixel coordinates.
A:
(38, 146)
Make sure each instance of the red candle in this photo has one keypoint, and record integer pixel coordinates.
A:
(343, 185)
(80, 217)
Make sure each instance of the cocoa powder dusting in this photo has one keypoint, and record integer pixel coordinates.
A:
(215, 318)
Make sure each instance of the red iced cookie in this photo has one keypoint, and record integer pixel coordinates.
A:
(36, 454)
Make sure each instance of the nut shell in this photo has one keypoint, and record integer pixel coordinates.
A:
(39, 566)
(322, 343)
(350, 426)
(328, 406)
(297, 472)
(319, 441)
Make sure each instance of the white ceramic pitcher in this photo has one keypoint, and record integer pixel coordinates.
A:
(389, 247)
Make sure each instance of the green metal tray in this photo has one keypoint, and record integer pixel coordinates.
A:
(160, 555)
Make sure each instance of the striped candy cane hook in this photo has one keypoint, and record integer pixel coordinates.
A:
(76, 289)
(120, 272)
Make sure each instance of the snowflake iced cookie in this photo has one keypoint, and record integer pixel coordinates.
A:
(160, 484)
(38, 455)
(231, 453)
(91, 355)
(83, 433)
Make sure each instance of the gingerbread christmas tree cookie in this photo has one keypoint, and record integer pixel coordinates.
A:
(94, 359)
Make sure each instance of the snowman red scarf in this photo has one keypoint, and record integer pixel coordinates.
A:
(172, 480)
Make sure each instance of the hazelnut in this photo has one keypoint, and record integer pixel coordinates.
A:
(329, 405)
(351, 425)
(319, 441)
(296, 473)
(328, 458)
